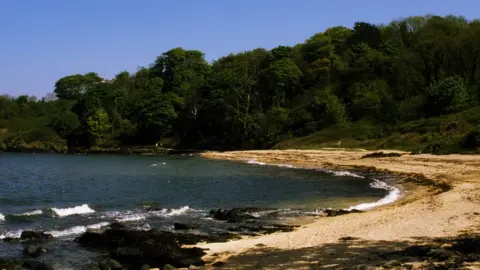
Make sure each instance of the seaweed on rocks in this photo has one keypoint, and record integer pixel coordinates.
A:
(236, 215)
(381, 155)
(339, 212)
(156, 248)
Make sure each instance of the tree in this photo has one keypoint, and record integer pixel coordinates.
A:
(65, 123)
(447, 96)
(97, 124)
(74, 86)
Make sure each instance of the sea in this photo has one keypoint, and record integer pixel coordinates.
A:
(66, 195)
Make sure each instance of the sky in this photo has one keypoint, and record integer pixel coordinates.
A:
(43, 41)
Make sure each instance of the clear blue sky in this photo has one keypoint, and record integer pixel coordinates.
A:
(44, 40)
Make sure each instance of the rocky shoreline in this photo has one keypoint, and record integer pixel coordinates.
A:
(120, 247)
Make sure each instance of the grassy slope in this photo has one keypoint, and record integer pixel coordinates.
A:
(441, 135)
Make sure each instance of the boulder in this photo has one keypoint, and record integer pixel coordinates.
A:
(32, 236)
(181, 226)
(154, 247)
(339, 212)
(33, 252)
(36, 265)
(109, 264)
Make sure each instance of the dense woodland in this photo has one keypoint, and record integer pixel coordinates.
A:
(378, 77)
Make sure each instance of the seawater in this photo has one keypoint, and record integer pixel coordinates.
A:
(65, 195)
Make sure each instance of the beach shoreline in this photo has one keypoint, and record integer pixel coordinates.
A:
(441, 199)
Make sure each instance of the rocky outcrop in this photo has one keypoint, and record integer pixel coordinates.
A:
(154, 247)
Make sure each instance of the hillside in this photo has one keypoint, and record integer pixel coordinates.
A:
(411, 84)
(455, 133)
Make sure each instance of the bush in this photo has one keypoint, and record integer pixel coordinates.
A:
(471, 141)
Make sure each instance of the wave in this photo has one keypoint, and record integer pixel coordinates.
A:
(254, 161)
(77, 210)
(172, 212)
(11, 234)
(2, 217)
(393, 195)
(342, 173)
(77, 229)
(30, 213)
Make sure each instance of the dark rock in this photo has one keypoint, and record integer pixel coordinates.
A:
(231, 216)
(180, 226)
(467, 245)
(381, 155)
(33, 252)
(168, 267)
(440, 254)
(153, 209)
(218, 263)
(416, 251)
(145, 267)
(264, 228)
(109, 264)
(36, 265)
(154, 247)
(117, 225)
(35, 236)
(348, 238)
(9, 264)
(339, 212)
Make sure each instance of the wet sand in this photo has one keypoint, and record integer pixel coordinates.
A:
(444, 203)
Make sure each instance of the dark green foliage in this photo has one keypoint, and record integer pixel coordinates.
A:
(412, 84)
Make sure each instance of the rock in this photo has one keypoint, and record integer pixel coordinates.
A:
(218, 263)
(145, 267)
(264, 228)
(231, 216)
(348, 238)
(154, 247)
(168, 267)
(35, 236)
(333, 212)
(110, 264)
(416, 251)
(36, 265)
(381, 155)
(33, 252)
(181, 226)
(9, 264)
(117, 225)
(192, 261)
(440, 254)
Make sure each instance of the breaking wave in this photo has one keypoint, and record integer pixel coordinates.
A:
(77, 210)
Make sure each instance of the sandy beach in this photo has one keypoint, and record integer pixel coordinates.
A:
(447, 206)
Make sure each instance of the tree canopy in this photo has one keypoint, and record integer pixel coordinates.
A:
(409, 69)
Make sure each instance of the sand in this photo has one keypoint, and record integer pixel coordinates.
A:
(423, 213)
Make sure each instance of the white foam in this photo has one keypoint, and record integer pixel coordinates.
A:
(12, 234)
(77, 210)
(393, 195)
(343, 173)
(131, 217)
(31, 213)
(254, 161)
(77, 229)
(154, 165)
(172, 212)
(2, 217)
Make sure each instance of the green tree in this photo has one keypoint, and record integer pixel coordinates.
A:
(97, 124)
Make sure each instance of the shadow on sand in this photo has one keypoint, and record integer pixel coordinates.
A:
(351, 253)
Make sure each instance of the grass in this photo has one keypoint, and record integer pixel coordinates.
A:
(440, 135)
